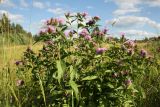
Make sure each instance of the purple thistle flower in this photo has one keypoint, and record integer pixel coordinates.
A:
(91, 22)
(84, 32)
(19, 82)
(130, 51)
(143, 53)
(51, 29)
(60, 21)
(105, 31)
(100, 50)
(96, 18)
(84, 14)
(128, 82)
(87, 37)
(49, 42)
(42, 31)
(130, 43)
(18, 62)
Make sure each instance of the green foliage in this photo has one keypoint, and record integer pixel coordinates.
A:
(82, 67)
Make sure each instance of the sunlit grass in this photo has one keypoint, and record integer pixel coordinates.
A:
(10, 54)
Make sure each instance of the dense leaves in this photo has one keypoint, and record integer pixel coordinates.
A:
(80, 66)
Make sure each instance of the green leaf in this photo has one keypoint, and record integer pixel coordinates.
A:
(89, 78)
(75, 88)
(60, 70)
(72, 73)
(80, 25)
(110, 85)
(108, 71)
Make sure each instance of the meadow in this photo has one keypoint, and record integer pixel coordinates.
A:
(89, 71)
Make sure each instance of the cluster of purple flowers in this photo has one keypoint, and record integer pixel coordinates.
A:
(55, 21)
(130, 43)
(84, 33)
(143, 53)
(100, 50)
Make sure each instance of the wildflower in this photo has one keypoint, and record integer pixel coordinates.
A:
(130, 51)
(87, 37)
(84, 14)
(100, 33)
(49, 42)
(128, 82)
(143, 53)
(84, 32)
(19, 82)
(96, 18)
(105, 31)
(51, 29)
(122, 34)
(124, 73)
(42, 31)
(100, 50)
(90, 22)
(18, 62)
(130, 43)
(60, 21)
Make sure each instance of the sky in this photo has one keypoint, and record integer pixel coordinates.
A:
(136, 18)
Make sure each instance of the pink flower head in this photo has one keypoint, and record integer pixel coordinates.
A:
(96, 18)
(84, 14)
(49, 42)
(68, 33)
(122, 34)
(84, 32)
(91, 22)
(100, 33)
(88, 37)
(42, 31)
(105, 31)
(128, 82)
(60, 21)
(130, 51)
(51, 29)
(18, 62)
(130, 43)
(143, 53)
(100, 50)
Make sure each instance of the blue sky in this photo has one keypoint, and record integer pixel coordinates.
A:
(136, 18)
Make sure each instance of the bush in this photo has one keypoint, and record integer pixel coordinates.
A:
(80, 66)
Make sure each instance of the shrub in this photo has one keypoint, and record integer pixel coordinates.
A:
(80, 66)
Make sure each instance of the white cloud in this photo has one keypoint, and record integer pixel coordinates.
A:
(89, 7)
(16, 18)
(7, 3)
(138, 34)
(38, 4)
(23, 3)
(134, 21)
(132, 6)
(56, 11)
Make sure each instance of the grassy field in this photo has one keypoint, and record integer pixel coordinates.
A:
(10, 54)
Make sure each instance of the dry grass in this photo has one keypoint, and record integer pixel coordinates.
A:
(10, 54)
